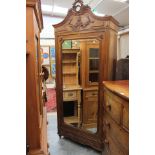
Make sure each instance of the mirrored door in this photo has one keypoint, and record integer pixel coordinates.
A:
(80, 63)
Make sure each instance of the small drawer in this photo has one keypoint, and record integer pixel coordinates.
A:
(113, 107)
(91, 93)
(69, 95)
(116, 132)
(112, 148)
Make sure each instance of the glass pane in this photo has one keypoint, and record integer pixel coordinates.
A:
(93, 64)
(93, 77)
(94, 52)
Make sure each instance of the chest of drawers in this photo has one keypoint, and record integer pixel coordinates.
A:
(116, 117)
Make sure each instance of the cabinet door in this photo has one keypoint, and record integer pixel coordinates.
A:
(90, 107)
(93, 63)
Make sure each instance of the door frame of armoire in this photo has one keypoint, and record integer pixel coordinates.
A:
(65, 130)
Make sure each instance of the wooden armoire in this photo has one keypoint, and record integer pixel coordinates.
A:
(98, 45)
(36, 122)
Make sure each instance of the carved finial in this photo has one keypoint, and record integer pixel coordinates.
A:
(77, 5)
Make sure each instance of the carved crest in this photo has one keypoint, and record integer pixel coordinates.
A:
(81, 18)
(81, 23)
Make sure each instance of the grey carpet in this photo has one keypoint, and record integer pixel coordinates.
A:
(64, 146)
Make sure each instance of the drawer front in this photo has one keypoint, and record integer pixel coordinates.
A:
(125, 119)
(93, 93)
(112, 148)
(113, 106)
(116, 132)
(69, 95)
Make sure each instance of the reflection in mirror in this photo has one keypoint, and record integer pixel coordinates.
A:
(80, 61)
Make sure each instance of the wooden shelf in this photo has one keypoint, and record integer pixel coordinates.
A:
(93, 58)
(93, 71)
(71, 119)
(69, 72)
(71, 49)
(68, 61)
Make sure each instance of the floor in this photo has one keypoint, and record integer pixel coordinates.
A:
(64, 146)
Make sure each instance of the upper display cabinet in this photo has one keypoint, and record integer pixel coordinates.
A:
(86, 47)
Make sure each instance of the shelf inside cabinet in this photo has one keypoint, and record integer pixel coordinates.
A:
(71, 119)
(68, 61)
(93, 71)
(70, 51)
(69, 72)
(93, 58)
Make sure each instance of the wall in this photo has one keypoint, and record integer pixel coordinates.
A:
(123, 44)
(47, 34)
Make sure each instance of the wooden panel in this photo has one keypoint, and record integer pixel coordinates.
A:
(91, 115)
(112, 55)
(125, 119)
(90, 107)
(36, 130)
(32, 105)
(112, 147)
(29, 30)
(44, 131)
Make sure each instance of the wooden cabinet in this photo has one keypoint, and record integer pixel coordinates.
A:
(96, 37)
(36, 130)
(116, 117)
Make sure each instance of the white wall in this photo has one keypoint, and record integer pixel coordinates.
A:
(48, 30)
(123, 44)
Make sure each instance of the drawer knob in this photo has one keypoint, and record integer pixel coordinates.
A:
(107, 124)
(70, 94)
(106, 141)
(109, 107)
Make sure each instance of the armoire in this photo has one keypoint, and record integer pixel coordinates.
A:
(36, 121)
(79, 81)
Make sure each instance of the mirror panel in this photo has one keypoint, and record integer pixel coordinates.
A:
(80, 69)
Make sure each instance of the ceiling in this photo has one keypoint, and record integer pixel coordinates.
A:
(119, 10)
